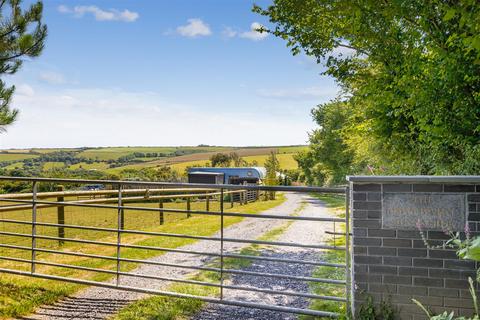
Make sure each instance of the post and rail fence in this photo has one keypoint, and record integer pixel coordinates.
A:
(38, 248)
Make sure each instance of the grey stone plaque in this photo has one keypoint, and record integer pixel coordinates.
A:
(434, 211)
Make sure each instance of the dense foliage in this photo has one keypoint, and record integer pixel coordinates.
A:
(22, 35)
(410, 77)
(150, 174)
(329, 159)
(220, 160)
(226, 160)
(272, 166)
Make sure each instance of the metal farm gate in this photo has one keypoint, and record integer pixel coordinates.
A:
(39, 225)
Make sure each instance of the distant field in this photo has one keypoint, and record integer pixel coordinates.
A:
(201, 153)
(103, 155)
(286, 162)
(40, 150)
(181, 162)
(198, 156)
(147, 159)
(292, 149)
(180, 167)
(243, 152)
(52, 164)
(114, 153)
(90, 166)
(16, 165)
(13, 156)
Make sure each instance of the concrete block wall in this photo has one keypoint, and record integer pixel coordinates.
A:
(395, 264)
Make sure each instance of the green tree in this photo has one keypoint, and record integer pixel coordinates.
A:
(22, 35)
(410, 70)
(164, 173)
(329, 159)
(237, 160)
(272, 166)
(220, 160)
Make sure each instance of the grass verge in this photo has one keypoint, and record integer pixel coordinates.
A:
(335, 203)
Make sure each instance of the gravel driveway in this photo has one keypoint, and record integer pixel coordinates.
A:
(100, 303)
(306, 232)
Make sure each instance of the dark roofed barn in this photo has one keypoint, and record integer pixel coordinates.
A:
(242, 175)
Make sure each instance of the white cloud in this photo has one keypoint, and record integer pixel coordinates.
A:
(343, 52)
(52, 77)
(24, 90)
(309, 93)
(109, 117)
(229, 32)
(194, 28)
(64, 9)
(100, 14)
(254, 33)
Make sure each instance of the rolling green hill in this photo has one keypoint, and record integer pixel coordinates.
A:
(114, 160)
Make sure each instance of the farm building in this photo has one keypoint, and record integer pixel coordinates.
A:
(220, 175)
(205, 177)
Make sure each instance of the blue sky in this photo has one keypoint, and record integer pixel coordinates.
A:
(163, 73)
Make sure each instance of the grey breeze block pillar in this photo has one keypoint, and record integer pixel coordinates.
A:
(389, 259)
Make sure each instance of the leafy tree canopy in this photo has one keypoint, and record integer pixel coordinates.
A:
(22, 35)
(272, 166)
(329, 159)
(220, 160)
(410, 75)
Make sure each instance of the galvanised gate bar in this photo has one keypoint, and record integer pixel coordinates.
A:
(25, 247)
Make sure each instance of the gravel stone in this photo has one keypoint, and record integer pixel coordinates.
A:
(305, 232)
(101, 303)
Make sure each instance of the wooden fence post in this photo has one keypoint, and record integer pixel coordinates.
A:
(188, 208)
(160, 205)
(61, 216)
(207, 203)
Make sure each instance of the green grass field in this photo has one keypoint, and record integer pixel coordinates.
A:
(40, 150)
(52, 164)
(105, 157)
(109, 153)
(16, 156)
(90, 166)
(286, 162)
(16, 165)
(292, 149)
(20, 295)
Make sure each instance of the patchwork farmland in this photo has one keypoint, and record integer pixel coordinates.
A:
(111, 161)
